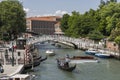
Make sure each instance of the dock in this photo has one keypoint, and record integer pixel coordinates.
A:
(13, 60)
(10, 70)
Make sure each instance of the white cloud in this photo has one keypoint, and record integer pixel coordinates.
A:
(60, 13)
(57, 13)
(26, 10)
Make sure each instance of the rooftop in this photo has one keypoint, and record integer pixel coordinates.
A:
(45, 18)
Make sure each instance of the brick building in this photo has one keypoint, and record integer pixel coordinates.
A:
(48, 25)
(112, 46)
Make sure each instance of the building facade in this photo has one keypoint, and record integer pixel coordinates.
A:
(112, 46)
(48, 25)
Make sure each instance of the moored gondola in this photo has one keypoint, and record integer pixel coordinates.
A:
(43, 59)
(63, 66)
(34, 64)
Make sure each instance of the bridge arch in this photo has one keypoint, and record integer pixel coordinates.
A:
(75, 46)
(76, 43)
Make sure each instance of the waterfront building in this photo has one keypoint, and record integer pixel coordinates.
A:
(112, 46)
(48, 25)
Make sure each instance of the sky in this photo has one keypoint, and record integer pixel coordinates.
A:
(57, 7)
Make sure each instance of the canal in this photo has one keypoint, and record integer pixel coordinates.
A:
(106, 69)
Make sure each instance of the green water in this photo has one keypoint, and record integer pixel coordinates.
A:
(107, 69)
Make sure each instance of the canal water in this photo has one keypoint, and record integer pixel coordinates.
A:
(106, 69)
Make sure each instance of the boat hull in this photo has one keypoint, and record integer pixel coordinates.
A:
(100, 55)
(35, 63)
(70, 69)
(90, 52)
(67, 69)
(82, 59)
(29, 66)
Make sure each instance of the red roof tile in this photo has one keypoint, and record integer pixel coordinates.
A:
(45, 18)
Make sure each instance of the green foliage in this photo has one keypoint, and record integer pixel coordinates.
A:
(115, 32)
(64, 22)
(73, 24)
(12, 17)
(110, 16)
(117, 40)
(102, 21)
(95, 35)
(5, 37)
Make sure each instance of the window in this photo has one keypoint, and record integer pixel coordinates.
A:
(18, 53)
(114, 44)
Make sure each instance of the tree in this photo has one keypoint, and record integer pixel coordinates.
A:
(109, 17)
(117, 40)
(115, 32)
(74, 23)
(103, 21)
(113, 0)
(95, 35)
(12, 17)
(102, 3)
(64, 22)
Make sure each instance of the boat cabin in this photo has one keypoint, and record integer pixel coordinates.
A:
(20, 43)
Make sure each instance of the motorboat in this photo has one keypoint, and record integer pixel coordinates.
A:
(91, 51)
(103, 55)
(81, 59)
(18, 77)
(23, 77)
(50, 52)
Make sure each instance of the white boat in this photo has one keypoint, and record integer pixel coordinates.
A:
(91, 51)
(102, 55)
(83, 61)
(50, 52)
(18, 77)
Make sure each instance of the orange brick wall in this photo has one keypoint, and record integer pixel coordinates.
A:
(112, 46)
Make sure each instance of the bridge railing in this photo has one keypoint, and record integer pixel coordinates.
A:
(81, 43)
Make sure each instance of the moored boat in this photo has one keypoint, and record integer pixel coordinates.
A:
(102, 55)
(91, 51)
(34, 64)
(43, 59)
(18, 77)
